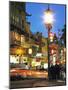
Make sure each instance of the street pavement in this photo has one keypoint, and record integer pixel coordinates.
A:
(30, 83)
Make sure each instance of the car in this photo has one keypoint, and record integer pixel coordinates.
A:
(19, 73)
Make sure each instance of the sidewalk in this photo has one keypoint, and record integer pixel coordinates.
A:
(49, 83)
(30, 83)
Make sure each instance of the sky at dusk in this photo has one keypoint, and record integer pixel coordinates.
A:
(37, 11)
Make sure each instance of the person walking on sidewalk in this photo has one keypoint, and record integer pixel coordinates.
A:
(57, 71)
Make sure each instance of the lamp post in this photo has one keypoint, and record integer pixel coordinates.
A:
(51, 36)
(48, 21)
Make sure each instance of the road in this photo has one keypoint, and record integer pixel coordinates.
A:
(35, 83)
(30, 73)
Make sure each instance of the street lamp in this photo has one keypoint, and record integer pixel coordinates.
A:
(48, 21)
(48, 17)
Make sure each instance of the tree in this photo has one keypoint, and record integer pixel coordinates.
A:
(63, 37)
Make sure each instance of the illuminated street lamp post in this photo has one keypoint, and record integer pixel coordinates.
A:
(48, 20)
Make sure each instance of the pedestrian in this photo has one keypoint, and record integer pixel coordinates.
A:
(57, 71)
(52, 72)
(63, 72)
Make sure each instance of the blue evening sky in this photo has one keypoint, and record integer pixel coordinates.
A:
(37, 11)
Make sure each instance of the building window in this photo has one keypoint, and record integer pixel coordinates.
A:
(17, 36)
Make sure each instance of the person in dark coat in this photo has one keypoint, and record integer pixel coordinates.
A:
(57, 71)
(52, 72)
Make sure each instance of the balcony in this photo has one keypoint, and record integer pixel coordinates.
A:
(15, 43)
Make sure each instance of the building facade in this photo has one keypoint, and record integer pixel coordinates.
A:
(19, 28)
(26, 48)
